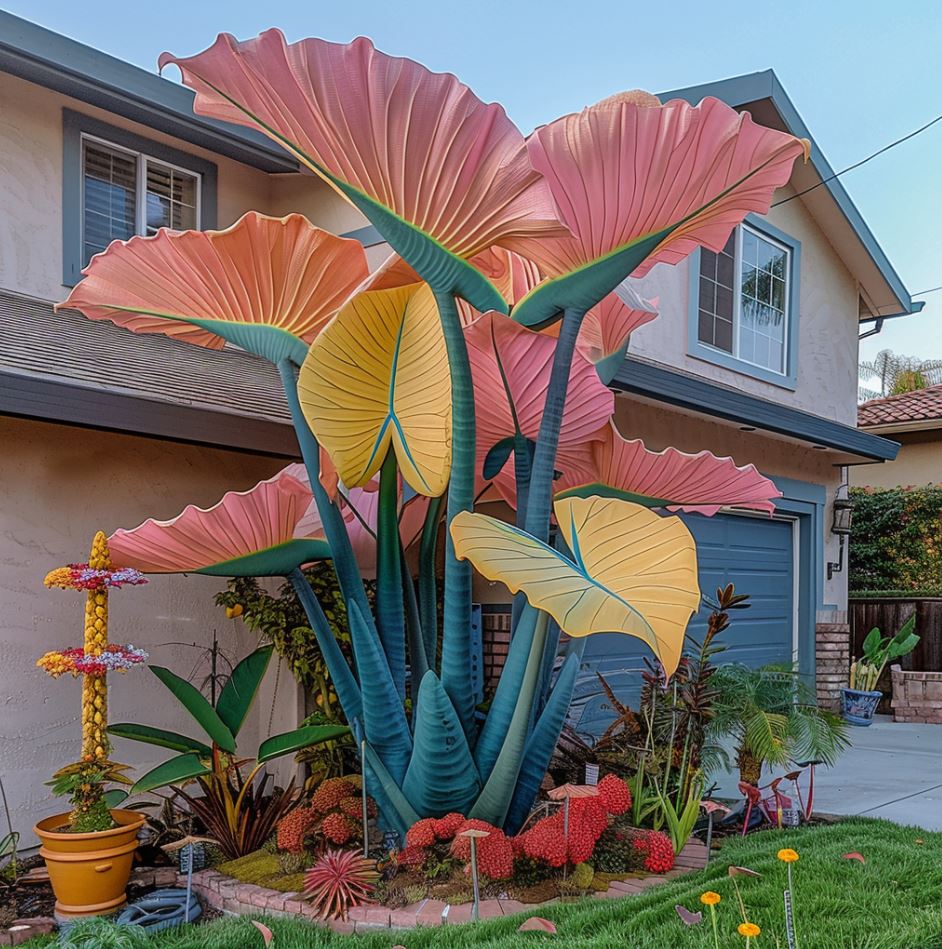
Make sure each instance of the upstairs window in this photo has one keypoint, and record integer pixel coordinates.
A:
(743, 307)
(126, 193)
(116, 184)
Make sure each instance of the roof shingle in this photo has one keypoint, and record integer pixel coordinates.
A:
(921, 405)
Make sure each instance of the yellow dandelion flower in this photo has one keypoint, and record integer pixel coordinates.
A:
(710, 898)
(749, 930)
(787, 855)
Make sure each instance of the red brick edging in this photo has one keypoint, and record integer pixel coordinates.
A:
(231, 896)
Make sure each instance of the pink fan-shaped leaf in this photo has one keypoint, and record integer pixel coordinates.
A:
(418, 143)
(267, 935)
(511, 366)
(670, 478)
(265, 283)
(630, 171)
(248, 533)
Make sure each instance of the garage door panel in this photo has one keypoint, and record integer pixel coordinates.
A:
(754, 554)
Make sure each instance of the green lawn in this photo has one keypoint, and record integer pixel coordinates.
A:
(893, 901)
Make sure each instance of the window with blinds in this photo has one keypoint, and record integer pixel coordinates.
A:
(126, 193)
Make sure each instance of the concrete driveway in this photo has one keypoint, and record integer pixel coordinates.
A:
(893, 770)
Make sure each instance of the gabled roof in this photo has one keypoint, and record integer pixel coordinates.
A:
(57, 62)
(904, 410)
(883, 290)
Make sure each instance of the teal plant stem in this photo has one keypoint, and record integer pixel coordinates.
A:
(540, 498)
(418, 658)
(428, 579)
(456, 634)
(390, 612)
(343, 680)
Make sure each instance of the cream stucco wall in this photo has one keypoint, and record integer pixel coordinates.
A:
(918, 463)
(58, 485)
(827, 333)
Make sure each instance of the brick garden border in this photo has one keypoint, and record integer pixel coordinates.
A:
(233, 897)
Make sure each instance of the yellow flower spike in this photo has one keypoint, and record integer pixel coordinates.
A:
(787, 855)
(710, 898)
(749, 930)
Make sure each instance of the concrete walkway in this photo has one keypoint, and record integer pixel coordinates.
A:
(893, 770)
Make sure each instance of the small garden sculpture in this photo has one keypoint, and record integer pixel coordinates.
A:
(471, 366)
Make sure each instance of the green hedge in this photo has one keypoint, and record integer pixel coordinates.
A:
(896, 544)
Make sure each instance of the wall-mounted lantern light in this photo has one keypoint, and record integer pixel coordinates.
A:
(841, 526)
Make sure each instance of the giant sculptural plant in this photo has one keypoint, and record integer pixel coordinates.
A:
(471, 367)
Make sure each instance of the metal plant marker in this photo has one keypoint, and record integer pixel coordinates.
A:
(473, 835)
(366, 816)
(789, 920)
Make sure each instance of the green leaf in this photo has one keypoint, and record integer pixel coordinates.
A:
(175, 771)
(240, 690)
(872, 642)
(497, 457)
(116, 797)
(274, 561)
(442, 776)
(194, 702)
(159, 737)
(305, 737)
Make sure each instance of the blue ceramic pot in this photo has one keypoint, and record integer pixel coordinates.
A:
(857, 707)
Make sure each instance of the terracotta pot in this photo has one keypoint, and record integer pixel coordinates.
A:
(89, 872)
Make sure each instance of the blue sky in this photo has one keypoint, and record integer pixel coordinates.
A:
(861, 75)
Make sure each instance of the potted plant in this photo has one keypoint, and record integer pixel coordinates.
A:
(89, 850)
(859, 699)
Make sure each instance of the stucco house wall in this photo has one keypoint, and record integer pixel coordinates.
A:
(92, 480)
(919, 463)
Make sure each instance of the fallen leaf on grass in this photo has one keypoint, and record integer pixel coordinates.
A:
(688, 918)
(854, 856)
(536, 924)
(267, 934)
(743, 872)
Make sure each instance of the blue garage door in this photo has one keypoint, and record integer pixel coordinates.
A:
(756, 555)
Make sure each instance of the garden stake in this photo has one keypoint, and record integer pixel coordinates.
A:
(473, 835)
(366, 816)
(788, 857)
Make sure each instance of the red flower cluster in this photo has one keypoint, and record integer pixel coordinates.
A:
(334, 813)
(658, 851)
(294, 828)
(422, 833)
(338, 829)
(412, 857)
(331, 792)
(614, 794)
(495, 852)
(446, 827)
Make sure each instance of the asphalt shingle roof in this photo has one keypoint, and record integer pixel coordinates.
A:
(919, 406)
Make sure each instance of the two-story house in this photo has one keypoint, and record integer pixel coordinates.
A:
(754, 355)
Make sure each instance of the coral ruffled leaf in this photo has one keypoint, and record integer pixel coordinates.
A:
(249, 533)
(511, 367)
(638, 182)
(265, 284)
(378, 376)
(440, 174)
(673, 479)
(633, 571)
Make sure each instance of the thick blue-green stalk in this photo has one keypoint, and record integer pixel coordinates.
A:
(390, 612)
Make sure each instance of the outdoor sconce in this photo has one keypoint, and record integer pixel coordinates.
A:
(843, 516)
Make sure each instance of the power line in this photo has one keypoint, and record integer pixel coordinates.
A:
(922, 293)
(864, 161)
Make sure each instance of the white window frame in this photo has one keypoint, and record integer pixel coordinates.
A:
(141, 159)
(737, 301)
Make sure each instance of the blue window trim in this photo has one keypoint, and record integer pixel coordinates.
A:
(806, 502)
(74, 124)
(698, 350)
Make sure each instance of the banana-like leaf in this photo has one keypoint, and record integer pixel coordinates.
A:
(378, 376)
(639, 183)
(160, 737)
(441, 175)
(442, 776)
(305, 737)
(198, 707)
(266, 284)
(247, 534)
(632, 571)
(240, 689)
(541, 744)
(175, 771)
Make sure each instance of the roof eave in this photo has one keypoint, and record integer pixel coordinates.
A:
(64, 65)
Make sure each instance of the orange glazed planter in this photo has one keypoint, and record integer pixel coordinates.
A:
(89, 872)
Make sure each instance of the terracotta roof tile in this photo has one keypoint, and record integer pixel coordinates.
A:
(919, 406)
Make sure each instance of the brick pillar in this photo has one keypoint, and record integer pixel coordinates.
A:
(495, 623)
(832, 659)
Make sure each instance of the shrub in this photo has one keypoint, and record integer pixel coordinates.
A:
(614, 794)
(626, 849)
(495, 853)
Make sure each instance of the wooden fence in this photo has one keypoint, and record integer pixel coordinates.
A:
(889, 614)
